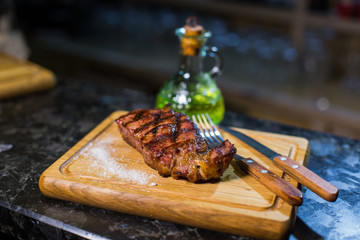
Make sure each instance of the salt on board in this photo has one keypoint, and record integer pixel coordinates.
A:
(98, 156)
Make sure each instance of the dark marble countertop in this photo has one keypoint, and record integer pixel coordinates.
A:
(35, 130)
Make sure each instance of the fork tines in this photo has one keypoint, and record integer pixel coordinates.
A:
(208, 129)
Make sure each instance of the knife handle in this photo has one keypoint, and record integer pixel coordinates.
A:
(274, 183)
(307, 178)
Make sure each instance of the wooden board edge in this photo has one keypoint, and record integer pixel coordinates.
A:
(40, 79)
(171, 211)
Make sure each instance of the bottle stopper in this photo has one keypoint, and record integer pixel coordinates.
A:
(193, 38)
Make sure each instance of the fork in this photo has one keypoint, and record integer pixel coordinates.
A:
(274, 183)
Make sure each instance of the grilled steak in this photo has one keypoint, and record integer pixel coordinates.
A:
(171, 143)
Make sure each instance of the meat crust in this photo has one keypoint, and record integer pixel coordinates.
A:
(171, 143)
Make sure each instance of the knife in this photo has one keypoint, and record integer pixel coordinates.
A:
(274, 183)
(297, 171)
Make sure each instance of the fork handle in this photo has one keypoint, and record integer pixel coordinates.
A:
(307, 178)
(274, 183)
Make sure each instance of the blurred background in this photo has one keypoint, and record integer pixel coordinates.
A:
(291, 61)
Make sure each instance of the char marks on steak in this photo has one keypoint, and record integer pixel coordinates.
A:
(171, 143)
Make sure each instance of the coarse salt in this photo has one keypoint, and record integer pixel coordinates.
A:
(103, 164)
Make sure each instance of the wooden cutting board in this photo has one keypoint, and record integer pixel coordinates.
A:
(18, 77)
(103, 171)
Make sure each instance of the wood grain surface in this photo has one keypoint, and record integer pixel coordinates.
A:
(103, 171)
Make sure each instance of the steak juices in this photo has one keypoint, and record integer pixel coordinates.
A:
(171, 143)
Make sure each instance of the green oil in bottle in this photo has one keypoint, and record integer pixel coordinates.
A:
(193, 96)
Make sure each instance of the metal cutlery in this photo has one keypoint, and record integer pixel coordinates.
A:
(276, 184)
(297, 171)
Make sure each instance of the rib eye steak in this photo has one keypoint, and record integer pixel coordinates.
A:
(171, 143)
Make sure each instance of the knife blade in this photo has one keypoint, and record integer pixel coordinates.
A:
(274, 183)
(297, 171)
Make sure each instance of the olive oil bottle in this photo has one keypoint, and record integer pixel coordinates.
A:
(191, 90)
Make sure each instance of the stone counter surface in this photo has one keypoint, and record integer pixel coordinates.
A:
(35, 130)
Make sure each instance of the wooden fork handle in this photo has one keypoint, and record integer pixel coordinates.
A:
(307, 178)
(274, 183)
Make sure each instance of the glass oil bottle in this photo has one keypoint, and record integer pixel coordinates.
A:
(191, 90)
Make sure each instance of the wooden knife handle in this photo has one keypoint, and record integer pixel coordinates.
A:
(307, 178)
(274, 183)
